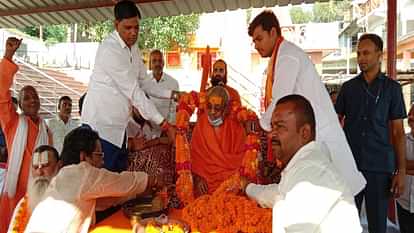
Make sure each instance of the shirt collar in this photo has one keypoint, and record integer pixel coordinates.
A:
(299, 155)
(120, 40)
(58, 118)
(380, 76)
(162, 79)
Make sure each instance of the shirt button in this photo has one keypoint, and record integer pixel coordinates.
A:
(363, 133)
(365, 118)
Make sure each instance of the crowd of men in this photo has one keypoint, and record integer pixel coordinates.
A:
(330, 155)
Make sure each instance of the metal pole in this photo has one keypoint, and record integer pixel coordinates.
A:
(391, 38)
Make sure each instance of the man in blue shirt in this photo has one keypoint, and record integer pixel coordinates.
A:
(373, 108)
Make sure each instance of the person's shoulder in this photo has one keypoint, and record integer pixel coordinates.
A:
(170, 78)
(391, 82)
(353, 81)
(51, 122)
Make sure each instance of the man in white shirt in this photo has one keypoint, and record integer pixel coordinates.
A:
(312, 195)
(290, 71)
(118, 81)
(63, 123)
(81, 187)
(165, 106)
(405, 203)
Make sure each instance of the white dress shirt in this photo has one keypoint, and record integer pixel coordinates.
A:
(117, 81)
(295, 74)
(59, 130)
(311, 196)
(167, 107)
(71, 198)
(406, 200)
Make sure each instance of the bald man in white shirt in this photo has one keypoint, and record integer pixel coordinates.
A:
(312, 195)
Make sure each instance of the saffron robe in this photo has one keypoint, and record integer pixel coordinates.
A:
(217, 154)
(9, 119)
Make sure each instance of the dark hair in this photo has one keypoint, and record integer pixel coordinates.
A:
(303, 111)
(80, 139)
(43, 148)
(65, 97)
(80, 103)
(268, 20)
(126, 9)
(154, 51)
(374, 38)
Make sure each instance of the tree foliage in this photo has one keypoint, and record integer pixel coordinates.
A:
(299, 16)
(167, 32)
(96, 32)
(163, 33)
(322, 12)
(51, 33)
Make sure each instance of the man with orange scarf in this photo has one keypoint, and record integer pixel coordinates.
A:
(23, 133)
(291, 71)
(217, 145)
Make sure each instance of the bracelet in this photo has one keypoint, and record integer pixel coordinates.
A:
(165, 125)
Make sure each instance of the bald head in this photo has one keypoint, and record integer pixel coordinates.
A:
(29, 101)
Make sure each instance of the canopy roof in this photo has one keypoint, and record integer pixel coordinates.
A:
(22, 13)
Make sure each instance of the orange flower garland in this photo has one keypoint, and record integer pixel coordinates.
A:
(226, 212)
(184, 183)
(22, 217)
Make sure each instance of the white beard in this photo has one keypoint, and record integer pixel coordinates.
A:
(35, 190)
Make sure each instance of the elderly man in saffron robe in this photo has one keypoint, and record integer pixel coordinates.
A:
(23, 133)
(217, 145)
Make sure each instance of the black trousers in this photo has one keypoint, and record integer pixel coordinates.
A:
(376, 194)
(405, 219)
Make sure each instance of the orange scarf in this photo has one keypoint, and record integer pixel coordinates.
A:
(271, 76)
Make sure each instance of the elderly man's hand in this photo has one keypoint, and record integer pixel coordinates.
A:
(200, 185)
(12, 44)
(176, 95)
(252, 126)
(397, 184)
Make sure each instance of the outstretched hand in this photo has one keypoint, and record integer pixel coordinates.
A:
(12, 44)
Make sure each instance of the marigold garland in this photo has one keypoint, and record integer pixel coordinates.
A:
(226, 212)
(21, 218)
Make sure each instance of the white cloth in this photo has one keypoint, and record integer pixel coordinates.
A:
(117, 81)
(296, 74)
(59, 130)
(167, 107)
(17, 152)
(311, 196)
(406, 200)
(71, 198)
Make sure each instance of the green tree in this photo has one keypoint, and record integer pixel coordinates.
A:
(161, 32)
(51, 33)
(96, 31)
(299, 16)
(167, 32)
(322, 12)
(325, 12)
